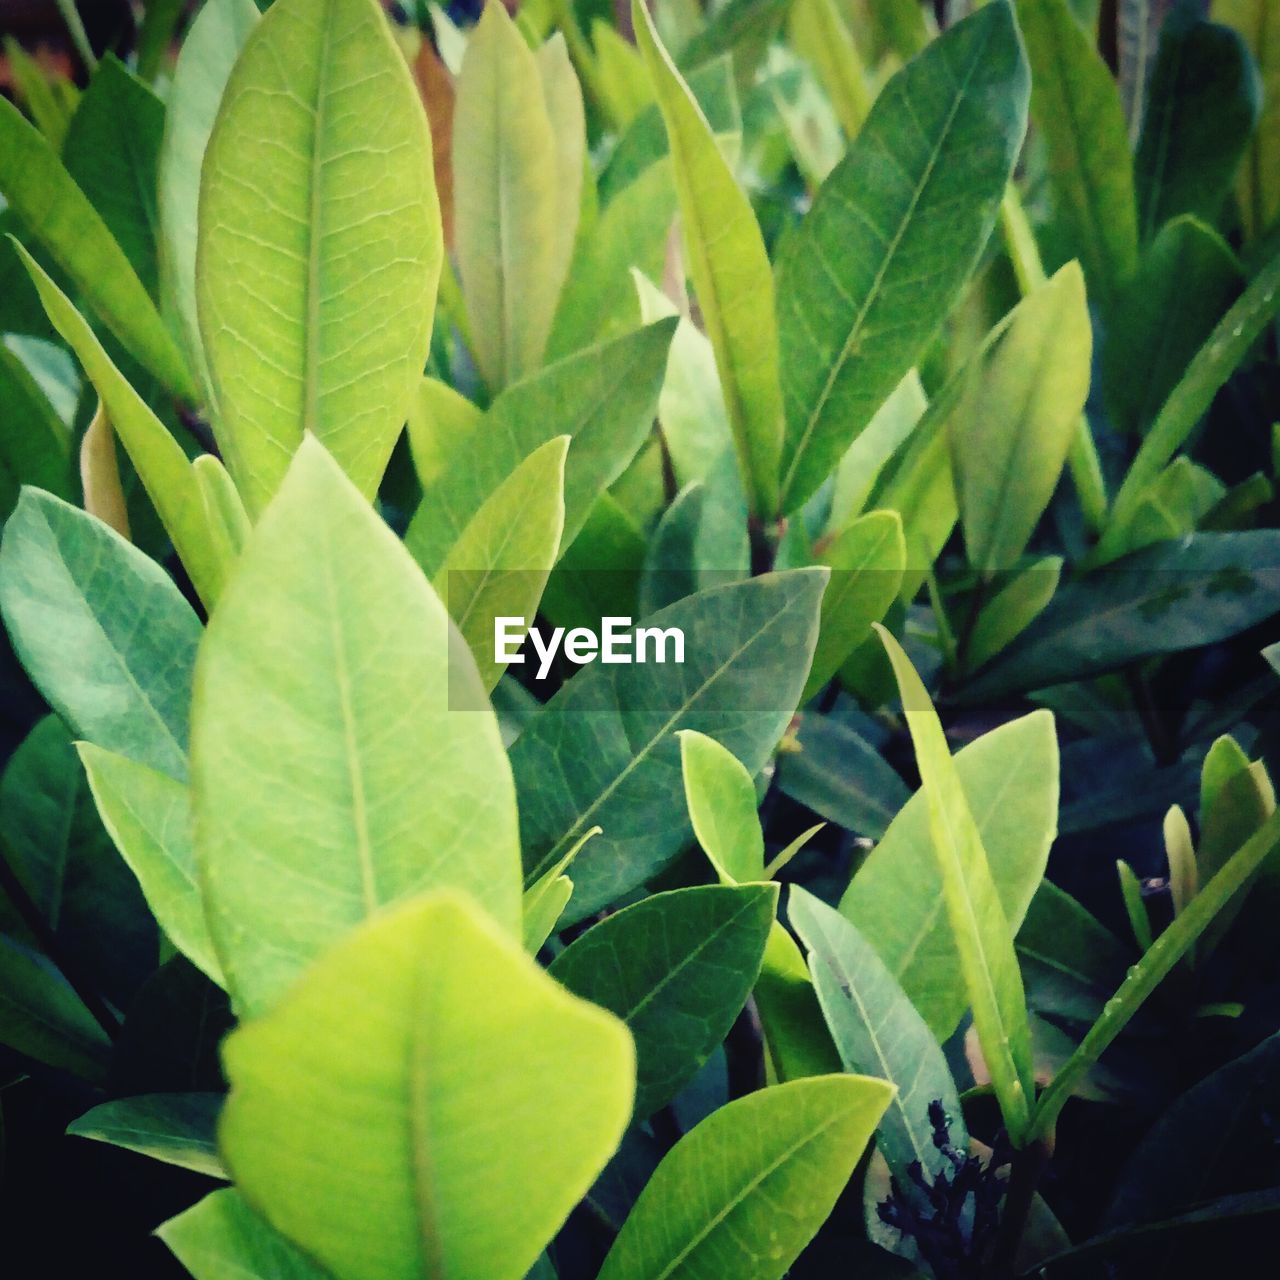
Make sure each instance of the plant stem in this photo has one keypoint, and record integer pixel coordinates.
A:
(1027, 1169)
(744, 1053)
(1163, 747)
(79, 37)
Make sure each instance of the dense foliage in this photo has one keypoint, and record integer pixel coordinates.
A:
(917, 366)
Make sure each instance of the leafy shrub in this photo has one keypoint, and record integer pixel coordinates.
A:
(347, 341)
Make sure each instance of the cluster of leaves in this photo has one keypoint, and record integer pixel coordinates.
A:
(345, 334)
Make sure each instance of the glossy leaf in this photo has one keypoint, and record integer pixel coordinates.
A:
(677, 969)
(730, 271)
(743, 1192)
(1076, 106)
(879, 1033)
(873, 269)
(383, 1051)
(1018, 603)
(58, 214)
(101, 630)
(1010, 781)
(867, 560)
(603, 399)
(602, 750)
(221, 1238)
(979, 927)
(1014, 424)
(499, 565)
(343, 755)
(148, 816)
(1166, 598)
(176, 1128)
(209, 52)
(320, 245)
(157, 457)
(507, 200)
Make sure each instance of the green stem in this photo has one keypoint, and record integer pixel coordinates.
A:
(79, 37)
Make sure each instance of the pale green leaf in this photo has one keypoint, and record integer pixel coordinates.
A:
(677, 968)
(723, 807)
(499, 565)
(148, 816)
(221, 1238)
(742, 1193)
(1014, 424)
(604, 750)
(507, 200)
(204, 65)
(35, 444)
(452, 1074)
(1023, 596)
(603, 399)
(320, 244)
(58, 214)
(1076, 106)
(730, 271)
(867, 560)
(176, 1128)
(1010, 781)
(879, 1033)
(101, 630)
(157, 457)
(894, 232)
(343, 754)
(979, 927)
(565, 113)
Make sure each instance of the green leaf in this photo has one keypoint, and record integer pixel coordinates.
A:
(743, 1192)
(1154, 967)
(111, 152)
(723, 807)
(176, 1128)
(42, 1017)
(101, 630)
(730, 271)
(603, 399)
(1014, 424)
(870, 274)
(148, 816)
(677, 969)
(603, 750)
(221, 1238)
(879, 1033)
(820, 35)
(55, 845)
(1206, 373)
(208, 54)
(35, 444)
(1076, 106)
(1196, 1149)
(320, 245)
(1010, 782)
(1163, 315)
(499, 565)
(383, 1051)
(979, 927)
(1022, 598)
(840, 776)
(49, 101)
(157, 457)
(867, 560)
(598, 302)
(1202, 107)
(511, 211)
(1135, 908)
(343, 756)
(1259, 186)
(1163, 599)
(58, 214)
